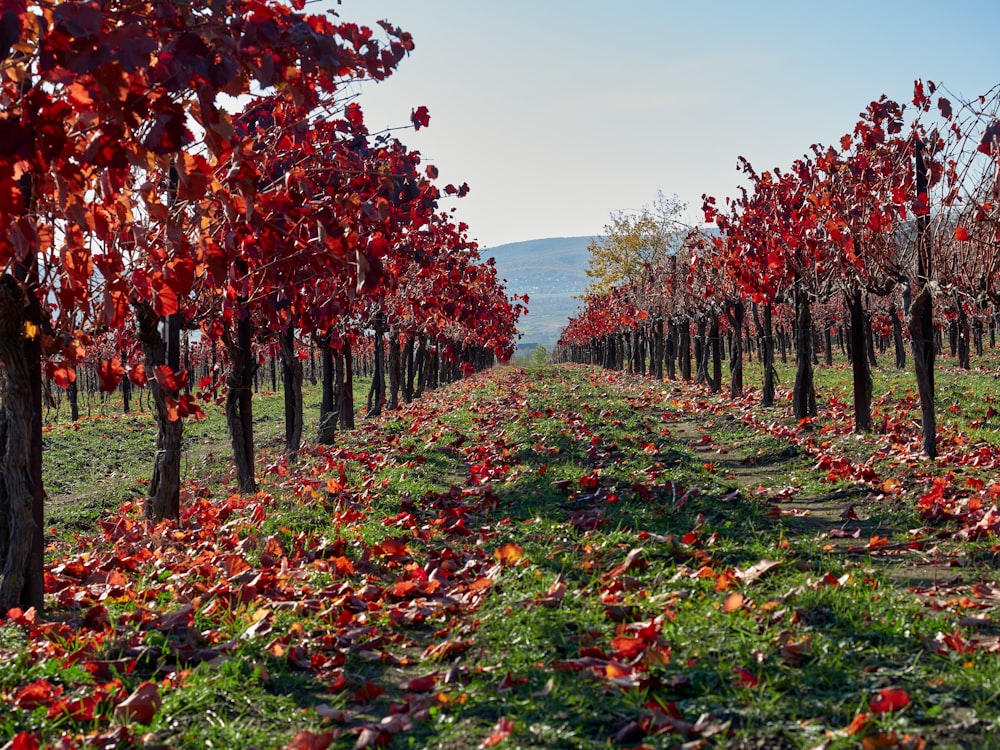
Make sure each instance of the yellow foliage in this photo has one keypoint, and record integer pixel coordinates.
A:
(636, 245)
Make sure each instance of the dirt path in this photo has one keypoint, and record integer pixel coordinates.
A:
(845, 521)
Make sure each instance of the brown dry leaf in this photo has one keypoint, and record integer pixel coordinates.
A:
(262, 619)
(446, 649)
(141, 706)
(633, 561)
(557, 592)
(755, 571)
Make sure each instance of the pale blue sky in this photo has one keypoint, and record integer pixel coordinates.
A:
(557, 112)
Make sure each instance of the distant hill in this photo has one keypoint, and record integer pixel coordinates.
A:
(551, 272)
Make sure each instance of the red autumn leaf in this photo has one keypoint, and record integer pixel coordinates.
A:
(179, 275)
(990, 139)
(168, 133)
(634, 560)
(35, 694)
(62, 374)
(141, 706)
(745, 677)
(368, 692)
(501, 732)
(889, 700)
(422, 684)
(557, 592)
(391, 547)
(961, 234)
(24, 741)
(168, 379)
(137, 374)
(343, 565)
(945, 106)
(306, 740)
(420, 118)
(340, 683)
(109, 374)
(165, 301)
(355, 116)
(509, 681)
(79, 709)
(115, 308)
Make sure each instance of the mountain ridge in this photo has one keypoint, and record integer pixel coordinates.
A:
(552, 272)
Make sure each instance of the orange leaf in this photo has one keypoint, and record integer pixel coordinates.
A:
(509, 553)
(500, 732)
(483, 582)
(343, 565)
(403, 589)
(613, 670)
(891, 485)
(857, 724)
(733, 602)
(626, 647)
(891, 741)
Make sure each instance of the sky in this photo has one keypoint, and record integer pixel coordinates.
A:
(559, 112)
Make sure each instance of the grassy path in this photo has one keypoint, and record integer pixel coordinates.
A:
(553, 557)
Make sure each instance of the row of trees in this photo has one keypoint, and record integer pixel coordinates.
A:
(899, 218)
(135, 206)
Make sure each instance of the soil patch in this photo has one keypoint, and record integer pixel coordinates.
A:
(846, 521)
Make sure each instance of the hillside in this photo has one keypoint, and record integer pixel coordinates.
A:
(551, 272)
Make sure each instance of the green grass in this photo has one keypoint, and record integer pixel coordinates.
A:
(577, 566)
(92, 466)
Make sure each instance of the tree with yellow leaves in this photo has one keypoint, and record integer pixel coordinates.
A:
(636, 245)
(638, 251)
